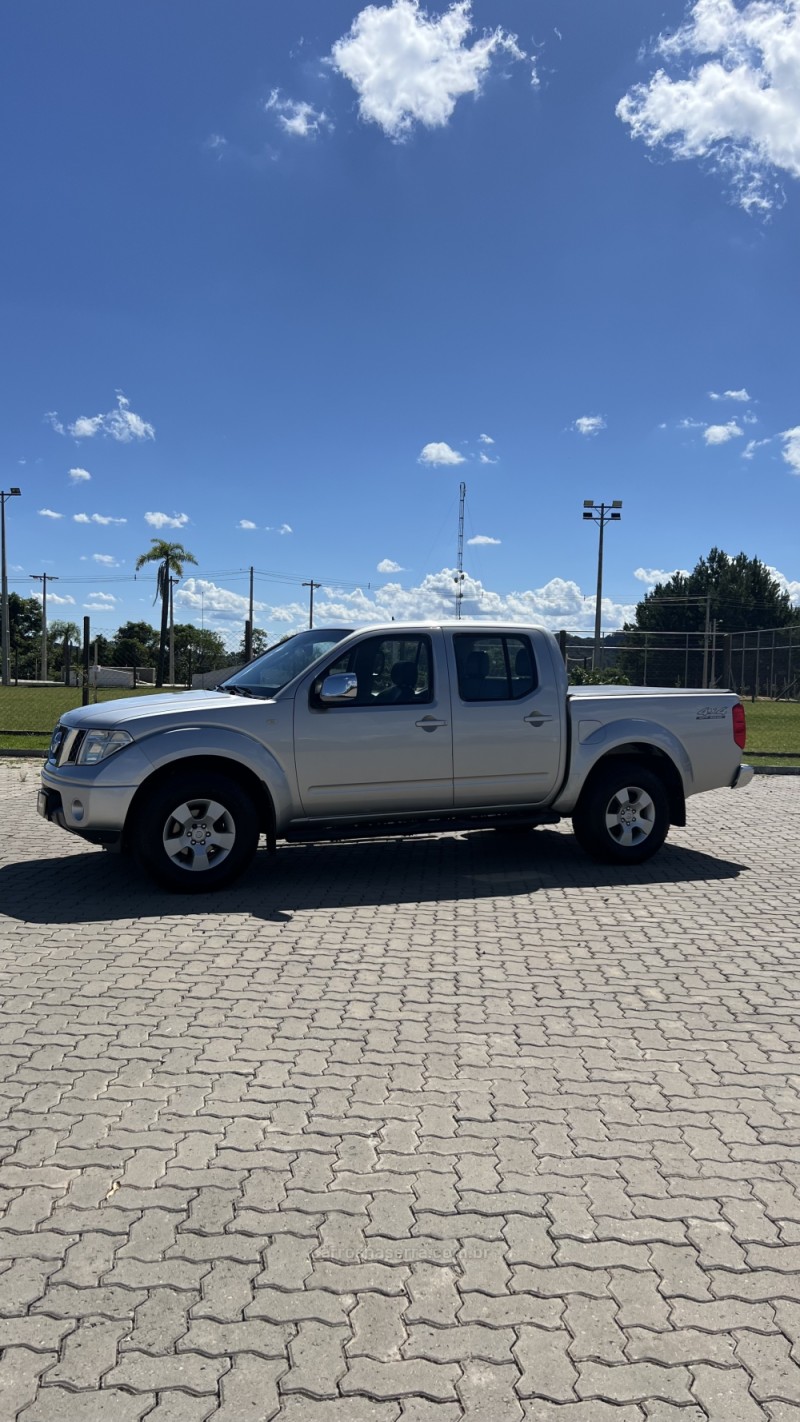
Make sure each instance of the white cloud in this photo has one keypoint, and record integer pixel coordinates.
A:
(162, 520)
(79, 476)
(791, 448)
(752, 445)
(49, 513)
(651, 576)
(690, 424)
(741, 395)
(486, 459)
(482, 540)
(96, 518)
(102, 597)
(733, 99)
(409, 67)
(589, 424)
(787, 585)
(285, 528)
(387, 565)
(297, 117)
(485, 439)
(122, 424)
(440, 453)
(106, 559)
(59, 599)
(246, 523)
(207, 597)
(720, 434)
(281, 528)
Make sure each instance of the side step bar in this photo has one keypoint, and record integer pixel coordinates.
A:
(308, 833)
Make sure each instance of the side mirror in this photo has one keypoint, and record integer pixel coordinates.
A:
(343, 686)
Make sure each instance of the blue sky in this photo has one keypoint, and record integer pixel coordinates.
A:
(279, 277)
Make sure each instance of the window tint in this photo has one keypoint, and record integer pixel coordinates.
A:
(494, 667)
(391, 671)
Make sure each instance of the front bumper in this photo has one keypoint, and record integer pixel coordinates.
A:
(743, 776)
(93, 812)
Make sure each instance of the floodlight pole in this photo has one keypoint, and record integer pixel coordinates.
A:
(4, 621)
(601, 514)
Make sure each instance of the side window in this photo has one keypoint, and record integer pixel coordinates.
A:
(494, 666)
(391, 671)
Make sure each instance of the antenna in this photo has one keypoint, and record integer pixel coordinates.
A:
(459, 577)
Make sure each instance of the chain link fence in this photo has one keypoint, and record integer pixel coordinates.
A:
(764, 663)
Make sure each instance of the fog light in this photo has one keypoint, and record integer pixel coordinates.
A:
(77, 810)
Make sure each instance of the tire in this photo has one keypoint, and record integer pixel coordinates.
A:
(196, 832)
(623, 816)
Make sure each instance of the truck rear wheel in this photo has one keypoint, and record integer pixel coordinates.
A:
(196, 832)
(623, 816)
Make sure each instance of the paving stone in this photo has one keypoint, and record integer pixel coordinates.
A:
(56, 1404)
(226, 1291)
(546, 1367)
(436, 1381)
(487, 1391)
(317, 1358)
(89, 1353)
(250, 1390)
(20, 1370)
(634, 1382)
(724, 1394)
(268, 1340)
(775, 1377)
(158, 1322)
(145, 1372)
(378, 1328)
(595, 1331)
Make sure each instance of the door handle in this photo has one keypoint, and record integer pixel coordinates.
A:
(536, 720)
(429, 723)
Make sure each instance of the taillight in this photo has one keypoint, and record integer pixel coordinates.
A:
(739, 725)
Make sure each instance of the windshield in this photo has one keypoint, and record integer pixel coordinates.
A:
(283, 662)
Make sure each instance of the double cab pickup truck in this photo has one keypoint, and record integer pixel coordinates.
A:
(387, 730)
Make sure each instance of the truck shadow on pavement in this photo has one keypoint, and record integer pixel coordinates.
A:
(87, 886)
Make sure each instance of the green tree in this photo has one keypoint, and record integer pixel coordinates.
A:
(197, 649)
(738, 593)
(260, 644)
(170, 559)
(58, 633)
(24, 635)
(135, 645)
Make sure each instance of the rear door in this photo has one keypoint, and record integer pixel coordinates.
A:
(508, 711)
(391, 749)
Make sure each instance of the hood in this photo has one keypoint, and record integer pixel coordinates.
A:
(180, 704)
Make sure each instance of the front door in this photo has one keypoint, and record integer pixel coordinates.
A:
(388, 751)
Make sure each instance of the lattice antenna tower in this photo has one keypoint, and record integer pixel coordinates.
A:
(459, 577)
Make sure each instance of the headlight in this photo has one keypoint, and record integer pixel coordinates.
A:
(99, 745)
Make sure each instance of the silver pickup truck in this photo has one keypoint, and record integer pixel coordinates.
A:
(384, 731)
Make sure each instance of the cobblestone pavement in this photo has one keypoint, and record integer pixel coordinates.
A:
(456, 1128)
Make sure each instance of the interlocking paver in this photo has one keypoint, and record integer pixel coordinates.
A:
(437, 1131)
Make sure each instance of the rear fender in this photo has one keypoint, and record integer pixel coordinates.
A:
(594, 744)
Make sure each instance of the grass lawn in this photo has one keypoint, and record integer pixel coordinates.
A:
(771, 725)
(38, 708)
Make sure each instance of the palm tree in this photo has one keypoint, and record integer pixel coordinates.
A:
(170, 558)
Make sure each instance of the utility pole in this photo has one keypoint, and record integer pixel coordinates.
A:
(44, 579)
(4, 621)
(706, 636)
(248, 630)
(171, 673)
(459, 577)
(601, 514)
(311, 585)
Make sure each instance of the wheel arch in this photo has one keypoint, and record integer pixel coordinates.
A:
(219, 765)
(656, 761)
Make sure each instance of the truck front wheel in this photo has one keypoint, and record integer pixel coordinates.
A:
(623, 816)
(196, 832)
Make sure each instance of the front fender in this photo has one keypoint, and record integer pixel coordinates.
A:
(170, 747)
(592, 741)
